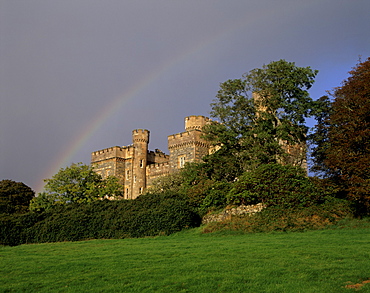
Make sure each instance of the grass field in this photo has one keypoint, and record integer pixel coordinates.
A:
(314, 261)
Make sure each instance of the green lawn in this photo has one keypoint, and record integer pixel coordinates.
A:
(315, 261)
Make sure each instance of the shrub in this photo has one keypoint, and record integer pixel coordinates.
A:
(15, 197)
(275, 185)
(278, 218)
(215, 197)
(13, 226)
(148, 215)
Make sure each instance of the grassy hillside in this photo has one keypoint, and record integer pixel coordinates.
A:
(314, 261)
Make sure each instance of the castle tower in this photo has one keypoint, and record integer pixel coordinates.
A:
(188, 146)
(140, 139)
(195, 122)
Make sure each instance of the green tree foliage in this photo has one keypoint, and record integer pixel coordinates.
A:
(343, 136)
(171, 183)
(15, 197)
(77, 183)
(44, 201)
(319, 139)
(275, 185)
(192, 184)
(110, 188)
(251, 128)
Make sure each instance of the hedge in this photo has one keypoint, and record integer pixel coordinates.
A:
(148, 215)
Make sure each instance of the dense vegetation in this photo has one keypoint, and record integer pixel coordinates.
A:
(342, 138)
(15, 197)
(145, 216)
(259, 137)
(263, 113)
(77, 183)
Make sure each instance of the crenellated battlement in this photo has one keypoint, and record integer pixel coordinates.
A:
(110, 153)
(157, 152)
(187, 144)
(152, 154)
(179, 135)
(193, 137)
(113, 149)
(157, 156)
(196, 122)
(140, 135)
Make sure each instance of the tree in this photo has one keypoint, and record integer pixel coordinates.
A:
(78, 183)
(168, 184)
(110, 188)
(15, 197)
(345, 148)
(192, 184)
(275, 185)
(43, 201)
(259, 115)
(319, 139)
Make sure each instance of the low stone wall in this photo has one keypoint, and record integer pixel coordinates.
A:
(233, 211)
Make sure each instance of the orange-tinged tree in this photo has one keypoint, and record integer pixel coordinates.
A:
(347, 150)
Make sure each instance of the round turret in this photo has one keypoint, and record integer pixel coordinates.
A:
(140, 135)
(140, 139)
(195, 122)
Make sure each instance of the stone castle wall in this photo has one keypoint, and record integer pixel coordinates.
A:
(112, 161)
(155, 171)
(137, 167)
(230, 212)
(187, 147)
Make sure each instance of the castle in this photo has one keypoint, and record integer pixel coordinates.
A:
(136, 167)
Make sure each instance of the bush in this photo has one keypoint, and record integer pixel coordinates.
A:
(13, 226)
(148, 215)
(15, 197)
(278, 218)
(275, 185)
(215, 197)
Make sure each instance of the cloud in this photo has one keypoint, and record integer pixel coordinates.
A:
(66, 65)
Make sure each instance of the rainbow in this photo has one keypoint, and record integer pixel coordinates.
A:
(108, 111)
(87, 132)
(117, 103)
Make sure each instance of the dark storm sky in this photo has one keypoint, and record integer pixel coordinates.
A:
(79, 75)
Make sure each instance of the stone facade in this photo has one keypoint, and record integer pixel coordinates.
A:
(136, 167)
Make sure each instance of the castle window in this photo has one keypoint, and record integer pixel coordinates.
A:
(141, 190)
(134, 178)
(128, 174)
(141, 163)
(181, 161)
